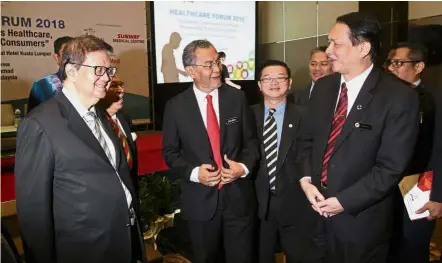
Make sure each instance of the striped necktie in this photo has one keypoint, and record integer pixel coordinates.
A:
(336, 128)
(270, 137)
(123, 140)
(93, 123)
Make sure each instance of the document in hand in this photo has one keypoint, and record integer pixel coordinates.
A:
(415, 190)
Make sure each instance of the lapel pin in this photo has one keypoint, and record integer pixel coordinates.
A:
(290, 125)
(359, 107)
(357, 124)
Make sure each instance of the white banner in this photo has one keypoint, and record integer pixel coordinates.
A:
(29, 30)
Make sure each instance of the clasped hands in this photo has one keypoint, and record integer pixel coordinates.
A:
(325, 207)
(211, 178)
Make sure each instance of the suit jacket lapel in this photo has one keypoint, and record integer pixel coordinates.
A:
(289, 127)
(223, 109)
(79, 127)
(112, 135)
(359, 106)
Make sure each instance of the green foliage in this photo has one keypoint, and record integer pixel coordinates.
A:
(156, 197)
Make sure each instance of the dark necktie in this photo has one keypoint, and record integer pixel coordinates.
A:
(336, 128)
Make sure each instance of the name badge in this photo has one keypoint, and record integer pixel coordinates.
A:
(360, 125)
(232, 120)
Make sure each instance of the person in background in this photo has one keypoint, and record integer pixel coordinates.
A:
(411, 239)
(225, 77)
(75, 196)
(358, 139)
(46, 87)
(285, 214)
(318, 67)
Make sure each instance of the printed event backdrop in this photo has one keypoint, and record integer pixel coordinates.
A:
(29, 30)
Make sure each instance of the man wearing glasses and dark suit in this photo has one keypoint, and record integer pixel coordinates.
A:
(210, 137)
(75, 197)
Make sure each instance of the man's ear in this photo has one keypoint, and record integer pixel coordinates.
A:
(420, 66)
(365, 48)
(55, 57)
(190, 71)
(259, 85)
(71, 71)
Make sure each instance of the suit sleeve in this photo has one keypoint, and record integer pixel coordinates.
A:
(436, 193)
(34, 167)
(397, 144)
(250, 151)
(172, 151)
(305, 143)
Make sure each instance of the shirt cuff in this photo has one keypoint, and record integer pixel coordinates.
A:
(309, 178)
(194, 175)
(245, 170)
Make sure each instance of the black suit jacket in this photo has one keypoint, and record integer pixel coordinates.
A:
(367, 161)
(420, 161)
(70, 202)
(436, 193)
(186, 146)
(294, 208)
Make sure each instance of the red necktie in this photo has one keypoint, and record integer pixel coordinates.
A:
(336, 128)
(123, 140)
(213, 132)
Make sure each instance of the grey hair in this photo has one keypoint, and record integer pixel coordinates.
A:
(189, 51)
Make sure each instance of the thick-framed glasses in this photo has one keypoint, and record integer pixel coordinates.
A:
(100, 70)
(399, 63)
(210, 65)
(278, 79)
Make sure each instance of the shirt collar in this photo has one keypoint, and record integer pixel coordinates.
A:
(417, 82)
(278, 109)
(358, 80)
(201, 96)
(77, 104)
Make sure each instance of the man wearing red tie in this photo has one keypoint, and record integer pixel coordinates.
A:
(358, 139)
(209, 136)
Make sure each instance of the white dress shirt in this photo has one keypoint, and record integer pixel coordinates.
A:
(83, 111)
(202, 104)
(353, 88)
(417, 82)
(311, 89)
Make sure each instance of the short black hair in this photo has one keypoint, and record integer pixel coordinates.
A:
(317, 49)
(221, 54)
(272, 62)
(59, 42)
(363, 27)
(417, 51)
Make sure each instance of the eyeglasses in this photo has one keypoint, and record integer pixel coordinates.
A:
(399, 63)
(210, 65)
(100, 70)
(278, 79)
